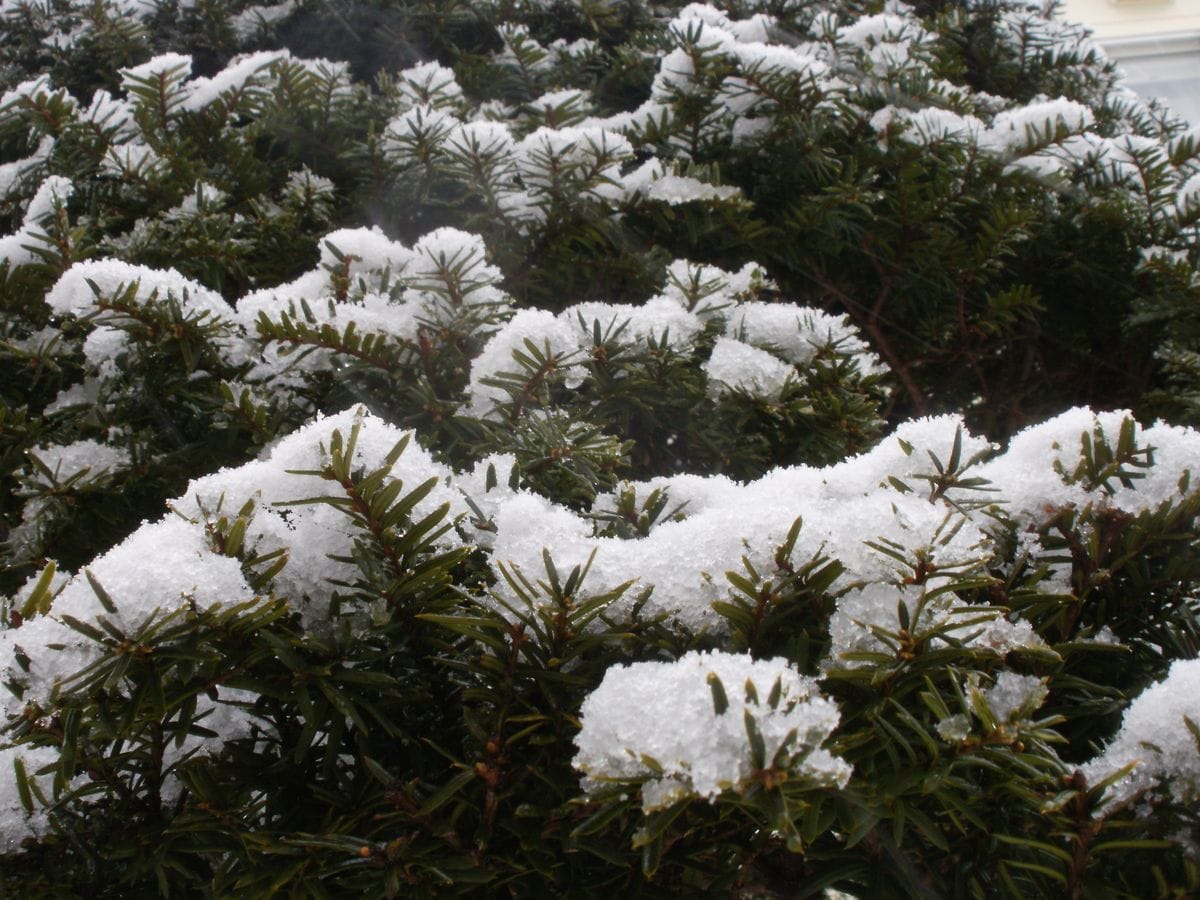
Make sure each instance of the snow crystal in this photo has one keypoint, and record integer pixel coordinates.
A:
(453, 262)
(135, 8)
(841, 506)
(955, 728)
(906, 454)
(414, 135)
(58, 581)
(1003, 637)
(867, 31)
(1175, 451)
(706, 290)
(86, 393)
(703, 13)
(108, 112)
(665, 711)
(585, 160)
(573, 99)
(496, 468)
(695, 493)
(580, 47)
(754, 30)
(54, 191)
(481, 141)
(930, 125)
(535, 57)
(527, 524)
(1189, 194)
(158, 568)
(638, 179)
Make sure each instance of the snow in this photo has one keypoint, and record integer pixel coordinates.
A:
(15, 823)
(242, 72)
(676, 190)
(310, 534)
(533, 56)
(251, 19)
(415, 134)
(1020, 129)
(25, 91)
(110, 114)
(14, 175)
(1188, 198)
(867, 31)
(798, 334)
(366, 250)
(428, 84)
(83, 456)
(665, 711)
(18, 248)
(550, 335)
(1154, 739)
(1013, 695)
(481, 140)
(454, 261)
(578, 48)
(707, 290)
(170, 67)
(133, 160)
(656, 319)
(849, 512)
(73, 294)
(586, 161)
(735, 367)
(1035, 478)
(159, 568)
(930, 125)
(572, 99)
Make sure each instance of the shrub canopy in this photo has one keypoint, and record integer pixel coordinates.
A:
(559, 447)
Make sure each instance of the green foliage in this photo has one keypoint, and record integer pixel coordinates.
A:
(416, 734)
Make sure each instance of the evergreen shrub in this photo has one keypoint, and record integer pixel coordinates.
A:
(569, 448)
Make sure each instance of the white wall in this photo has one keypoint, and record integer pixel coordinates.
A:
(1155, 42)
(1118, 19)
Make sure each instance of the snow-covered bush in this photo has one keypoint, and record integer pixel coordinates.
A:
(529, 448)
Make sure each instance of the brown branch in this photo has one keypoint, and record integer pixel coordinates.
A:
(869, 323)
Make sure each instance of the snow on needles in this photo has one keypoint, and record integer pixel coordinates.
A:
(658, 723)
(1156, 742)
(669, 712)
